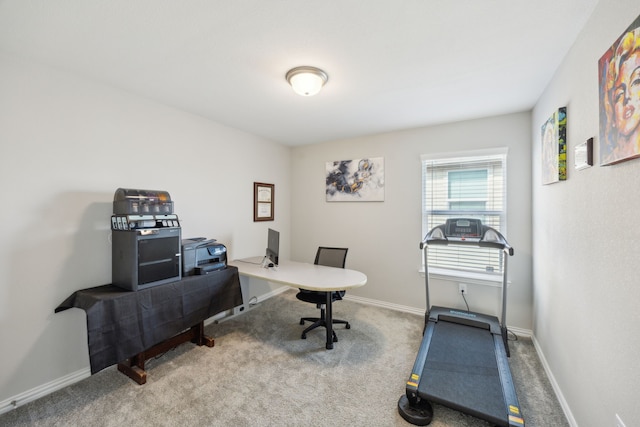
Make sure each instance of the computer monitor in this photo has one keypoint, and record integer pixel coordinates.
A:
(273, 246)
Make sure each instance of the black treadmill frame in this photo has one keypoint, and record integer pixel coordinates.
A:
(512, 416)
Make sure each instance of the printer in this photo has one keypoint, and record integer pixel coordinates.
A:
(202, 256)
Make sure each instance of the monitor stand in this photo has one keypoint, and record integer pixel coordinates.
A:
(267, 263)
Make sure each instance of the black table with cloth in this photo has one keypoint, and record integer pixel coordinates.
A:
(121, 324)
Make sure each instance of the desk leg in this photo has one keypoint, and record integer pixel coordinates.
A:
(329, 320)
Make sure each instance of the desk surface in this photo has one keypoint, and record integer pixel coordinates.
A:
(302, 275)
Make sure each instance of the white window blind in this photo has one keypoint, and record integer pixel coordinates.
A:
(471, 185)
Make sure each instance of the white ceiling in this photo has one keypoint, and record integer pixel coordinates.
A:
(392, 64)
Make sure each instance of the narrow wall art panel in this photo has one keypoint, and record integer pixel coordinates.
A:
(619, 79)
(554, 147)
(357, 180)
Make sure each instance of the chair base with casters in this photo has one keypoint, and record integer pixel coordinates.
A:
(320, 299)
(330, 257)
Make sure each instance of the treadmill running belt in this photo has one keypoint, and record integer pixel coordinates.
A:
(461, 372)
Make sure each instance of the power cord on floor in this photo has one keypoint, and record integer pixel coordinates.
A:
(510, 334)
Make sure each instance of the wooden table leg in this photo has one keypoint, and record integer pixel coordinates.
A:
(199, 338)
(131, 369)
(134, 366)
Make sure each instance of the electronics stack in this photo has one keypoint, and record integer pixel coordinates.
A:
(146, 239)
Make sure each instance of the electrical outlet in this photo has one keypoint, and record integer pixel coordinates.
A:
(619, 422)
(462, 288)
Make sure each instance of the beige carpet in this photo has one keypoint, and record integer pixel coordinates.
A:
(260, 373)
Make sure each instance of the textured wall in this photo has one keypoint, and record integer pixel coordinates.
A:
(586, 245)
(384, 237)
(66, 146)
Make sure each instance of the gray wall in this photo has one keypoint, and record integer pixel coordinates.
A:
(383, 237)
(66, 146)
(586, 315)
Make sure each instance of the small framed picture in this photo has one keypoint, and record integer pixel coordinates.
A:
(584, 155)
(554, 147)
(263, 201)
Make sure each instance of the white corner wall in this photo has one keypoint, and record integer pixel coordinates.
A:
(383, 237)
(65, 146)
(586, 245)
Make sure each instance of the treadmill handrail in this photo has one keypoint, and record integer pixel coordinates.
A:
(491, 238)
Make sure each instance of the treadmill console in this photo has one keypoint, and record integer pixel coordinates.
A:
(466, 231)
(463, 227)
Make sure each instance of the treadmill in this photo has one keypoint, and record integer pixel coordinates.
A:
(462, 361)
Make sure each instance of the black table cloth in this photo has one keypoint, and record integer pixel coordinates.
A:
(121, 324)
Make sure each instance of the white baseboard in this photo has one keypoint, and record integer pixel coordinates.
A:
(43, 390)
(518, 331)
(383, 304)
(556, 388)
(268, 295)
(412, 310)
(227, 315)
(521, 332)
(55, 385)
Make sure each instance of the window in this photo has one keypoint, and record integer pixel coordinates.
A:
(465, 185)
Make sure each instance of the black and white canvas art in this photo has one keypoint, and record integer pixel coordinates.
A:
(356, 180)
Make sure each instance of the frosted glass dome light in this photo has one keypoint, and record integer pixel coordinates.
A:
(306, 81)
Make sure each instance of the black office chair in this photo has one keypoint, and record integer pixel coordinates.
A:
(332, 257)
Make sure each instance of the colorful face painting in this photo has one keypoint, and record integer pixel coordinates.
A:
(619, 79)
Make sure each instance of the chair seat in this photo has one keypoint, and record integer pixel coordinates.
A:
(320, 300)
(317, 297)
(330, 257)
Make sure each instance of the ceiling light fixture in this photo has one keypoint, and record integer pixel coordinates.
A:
(306, 81)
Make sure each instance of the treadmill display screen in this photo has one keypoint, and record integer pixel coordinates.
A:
(463, 227)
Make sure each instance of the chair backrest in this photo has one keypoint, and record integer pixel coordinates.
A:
(331, 257)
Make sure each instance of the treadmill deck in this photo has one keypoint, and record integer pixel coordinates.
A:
(461, 372)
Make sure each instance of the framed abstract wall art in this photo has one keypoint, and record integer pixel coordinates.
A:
(357, 180)
(554, 147)
(619, 90)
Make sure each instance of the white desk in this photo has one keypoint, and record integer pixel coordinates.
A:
(305, 276)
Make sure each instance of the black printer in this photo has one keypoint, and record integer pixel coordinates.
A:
(202, 256)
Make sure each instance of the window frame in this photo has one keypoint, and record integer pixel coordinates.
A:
(469, 158)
